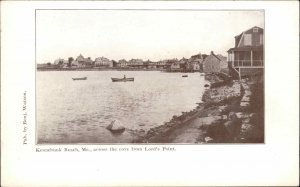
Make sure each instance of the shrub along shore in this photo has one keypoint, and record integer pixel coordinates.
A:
(232, 112)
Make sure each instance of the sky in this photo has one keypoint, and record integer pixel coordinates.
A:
(144, 34)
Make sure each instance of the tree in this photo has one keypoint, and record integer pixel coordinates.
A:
(70, 60)
(114, 63)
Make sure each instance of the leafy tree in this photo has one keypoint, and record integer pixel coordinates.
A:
(114, 63)
(70, 60)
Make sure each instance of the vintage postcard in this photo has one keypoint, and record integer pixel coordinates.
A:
(141, 76)
(149, 93)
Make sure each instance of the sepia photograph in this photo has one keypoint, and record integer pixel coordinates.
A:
(149, 76)
(159, 93)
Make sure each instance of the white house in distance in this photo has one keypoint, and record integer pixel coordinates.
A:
(122, 63)
(103, 62)
(61, 63)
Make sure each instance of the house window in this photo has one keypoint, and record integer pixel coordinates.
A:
(261, 39)
(247, 39)
(255, 29)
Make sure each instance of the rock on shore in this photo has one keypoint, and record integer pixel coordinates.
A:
(116, 127)
(217, 95)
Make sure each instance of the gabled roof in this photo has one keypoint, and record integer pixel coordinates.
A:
(82, 59)
(239, 37)
(102, 59)
(246, 31)
(218, 57)
(222, 58)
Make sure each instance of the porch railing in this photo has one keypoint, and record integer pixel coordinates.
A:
(247, 63)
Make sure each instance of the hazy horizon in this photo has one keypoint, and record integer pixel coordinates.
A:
(142, 34)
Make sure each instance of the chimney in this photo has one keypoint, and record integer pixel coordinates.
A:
(212, 53)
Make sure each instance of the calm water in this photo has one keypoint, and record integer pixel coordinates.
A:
(78, 111)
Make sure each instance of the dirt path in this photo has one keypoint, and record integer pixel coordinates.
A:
(190, 132)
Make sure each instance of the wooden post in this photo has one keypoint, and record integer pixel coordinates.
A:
(251, 57)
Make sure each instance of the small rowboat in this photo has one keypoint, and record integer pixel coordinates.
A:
(184, 75)
(81, 78)
(122, 79)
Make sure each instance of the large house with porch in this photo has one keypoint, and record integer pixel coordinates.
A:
(246, 58)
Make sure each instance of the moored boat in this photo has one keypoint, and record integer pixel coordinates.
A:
(184, 75)
(122, 79)
(80, 78)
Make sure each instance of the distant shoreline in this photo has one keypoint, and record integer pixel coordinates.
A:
(94, 69)
(113, 69)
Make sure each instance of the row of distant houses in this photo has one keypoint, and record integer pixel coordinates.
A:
(245, 58)
(81, 62)
(198, 62)
(204, 63)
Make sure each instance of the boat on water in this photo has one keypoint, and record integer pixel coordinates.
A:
(202, 74)
(124, 79)
(80, 78)
(184, 75)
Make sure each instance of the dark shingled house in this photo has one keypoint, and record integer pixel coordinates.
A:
(246, 59)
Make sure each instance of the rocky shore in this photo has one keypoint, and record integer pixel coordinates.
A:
(231, 112)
